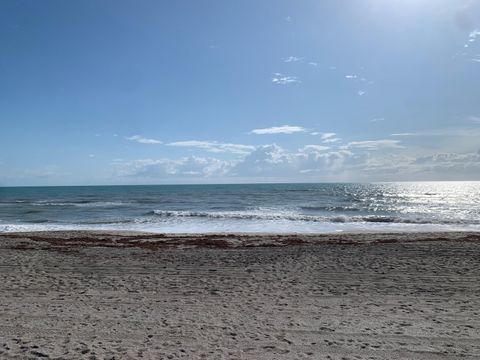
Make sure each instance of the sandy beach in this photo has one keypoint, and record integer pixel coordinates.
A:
(85, 295)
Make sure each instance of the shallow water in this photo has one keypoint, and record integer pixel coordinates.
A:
(306, 208)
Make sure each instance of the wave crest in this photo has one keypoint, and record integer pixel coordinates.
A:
(288, 216)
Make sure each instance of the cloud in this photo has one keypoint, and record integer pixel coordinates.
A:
(143, 140)
(328, 137)
(474, 34)
(313, 63)
(446, 132)
(168, 168)
(309, 148)
(273, 161)
(282, 79)
(374, 144)
(439, 166)
(474, 119)
(377, 119)
(351, 76)
(309, 162)
(216, 147)
(293, 59)
(284, 129)
(361, 92)
(331, 140)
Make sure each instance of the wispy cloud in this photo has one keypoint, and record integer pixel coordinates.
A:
(465, 132)
(377, 119)
(214, 146)
(374, 144)
(142, 140)
(327, 137)
(471, 39)
(307, 148)
(474, 34)
(282, 79)
(403, 134)
(284, 129)
(474, 119)
(293, 59)
(313, 63)
(358, 79)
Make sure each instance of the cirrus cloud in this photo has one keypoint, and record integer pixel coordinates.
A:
(374, 144)
(214, 146)
(142, 140)
(284, 129)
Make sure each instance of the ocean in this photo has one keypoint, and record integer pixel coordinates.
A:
(280, 208)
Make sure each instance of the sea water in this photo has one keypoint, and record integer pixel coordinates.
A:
(281, 208)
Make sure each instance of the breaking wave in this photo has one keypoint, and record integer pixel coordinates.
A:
(288, 216)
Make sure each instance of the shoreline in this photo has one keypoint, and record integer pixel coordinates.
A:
(159, 241)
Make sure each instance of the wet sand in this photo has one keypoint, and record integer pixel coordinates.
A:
(84, 295)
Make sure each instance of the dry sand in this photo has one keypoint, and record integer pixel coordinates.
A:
(82, 295)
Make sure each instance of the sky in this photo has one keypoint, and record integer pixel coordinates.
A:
(226, 91)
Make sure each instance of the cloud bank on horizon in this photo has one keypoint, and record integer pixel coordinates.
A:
(239, 92)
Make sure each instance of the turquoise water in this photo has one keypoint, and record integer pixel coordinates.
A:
(306, 208)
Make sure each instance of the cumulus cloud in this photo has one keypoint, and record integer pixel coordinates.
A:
(143, 140)
(282, 79)
(311, 161)
(374, 144)
(168, 168)
(284, 129)
(440, 166)
(451, 159)
(215, 147)
(273, 161)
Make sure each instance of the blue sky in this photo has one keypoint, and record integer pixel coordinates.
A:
(145, 92)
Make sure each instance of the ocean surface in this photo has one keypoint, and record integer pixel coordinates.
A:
(282, 208)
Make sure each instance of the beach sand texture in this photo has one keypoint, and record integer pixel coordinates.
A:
(130, 296)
